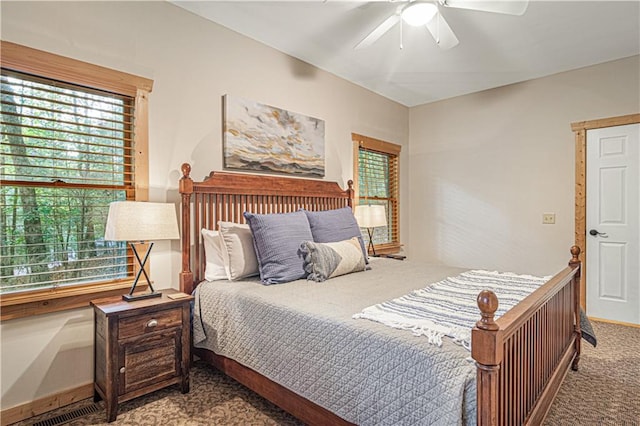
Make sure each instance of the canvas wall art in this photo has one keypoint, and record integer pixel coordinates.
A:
(268, 139)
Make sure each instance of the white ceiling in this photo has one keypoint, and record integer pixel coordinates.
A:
(494, 50)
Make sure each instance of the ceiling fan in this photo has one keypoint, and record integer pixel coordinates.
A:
(418, 13)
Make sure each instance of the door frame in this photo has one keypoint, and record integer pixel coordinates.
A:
(580, 129)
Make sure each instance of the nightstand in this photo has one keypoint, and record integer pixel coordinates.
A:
(140, 347)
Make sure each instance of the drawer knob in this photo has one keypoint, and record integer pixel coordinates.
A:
(152, 323)
(122, 370)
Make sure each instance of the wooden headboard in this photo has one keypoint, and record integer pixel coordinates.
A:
(224, 196)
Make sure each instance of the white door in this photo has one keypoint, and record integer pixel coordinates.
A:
(613, 223)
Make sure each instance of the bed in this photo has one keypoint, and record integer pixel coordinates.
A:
(518, 360)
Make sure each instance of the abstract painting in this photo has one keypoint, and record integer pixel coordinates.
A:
(268, 139)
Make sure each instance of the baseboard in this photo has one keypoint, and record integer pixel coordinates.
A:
(43, 405)
(626, 324)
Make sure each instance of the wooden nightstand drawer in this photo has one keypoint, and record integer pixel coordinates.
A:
(148, 323)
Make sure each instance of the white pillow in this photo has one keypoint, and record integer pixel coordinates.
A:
(214, 267)
(238, 253)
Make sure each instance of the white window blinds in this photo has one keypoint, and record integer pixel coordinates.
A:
(67, 152)
(378, 183)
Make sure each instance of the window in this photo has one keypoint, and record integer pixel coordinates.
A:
(73, 140)
(377, 182)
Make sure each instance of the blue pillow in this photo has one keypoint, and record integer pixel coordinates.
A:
(277, 239)
(331, 226)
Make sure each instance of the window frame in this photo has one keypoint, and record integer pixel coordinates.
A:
(48, 65)
(390, 149)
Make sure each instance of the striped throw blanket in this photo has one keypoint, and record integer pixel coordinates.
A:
(449, 307)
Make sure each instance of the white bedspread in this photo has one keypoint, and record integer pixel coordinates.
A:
(302, 336)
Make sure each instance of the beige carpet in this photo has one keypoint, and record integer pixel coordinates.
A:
(605, 391)
(606, 388)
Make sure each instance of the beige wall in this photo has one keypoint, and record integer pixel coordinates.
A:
(486, 166)
(193, 63)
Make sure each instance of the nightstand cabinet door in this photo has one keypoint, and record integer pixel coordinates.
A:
(154, 359)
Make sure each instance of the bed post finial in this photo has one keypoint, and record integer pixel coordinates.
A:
(488, 304)
(351, 193)
(575, 256)
(186, 170)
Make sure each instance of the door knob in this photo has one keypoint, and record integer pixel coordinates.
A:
(595, 233)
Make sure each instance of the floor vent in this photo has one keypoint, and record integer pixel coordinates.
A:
(67, 417)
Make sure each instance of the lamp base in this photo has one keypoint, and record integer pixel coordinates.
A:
(372, 247)
(140, 296)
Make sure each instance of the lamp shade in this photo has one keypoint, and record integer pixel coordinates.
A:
(141, 221)
(371, 216)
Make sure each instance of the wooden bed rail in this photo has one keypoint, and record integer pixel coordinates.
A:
(224, 196)
(523, 356)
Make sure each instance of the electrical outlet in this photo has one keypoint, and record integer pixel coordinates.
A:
(548, 218)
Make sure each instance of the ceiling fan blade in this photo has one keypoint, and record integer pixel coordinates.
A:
(379, 31)
(442, 32)
(509, 7)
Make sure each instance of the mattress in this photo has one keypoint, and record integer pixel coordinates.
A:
(302, 335)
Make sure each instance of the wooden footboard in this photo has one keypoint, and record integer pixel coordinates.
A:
(523, 356)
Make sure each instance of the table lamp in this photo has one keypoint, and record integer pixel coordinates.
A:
(371, 216)
(137, 221)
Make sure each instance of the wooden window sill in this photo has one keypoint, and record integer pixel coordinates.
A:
(390, 248)
(21, 305)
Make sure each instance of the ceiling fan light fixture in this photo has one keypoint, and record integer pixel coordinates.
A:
(418, 14)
